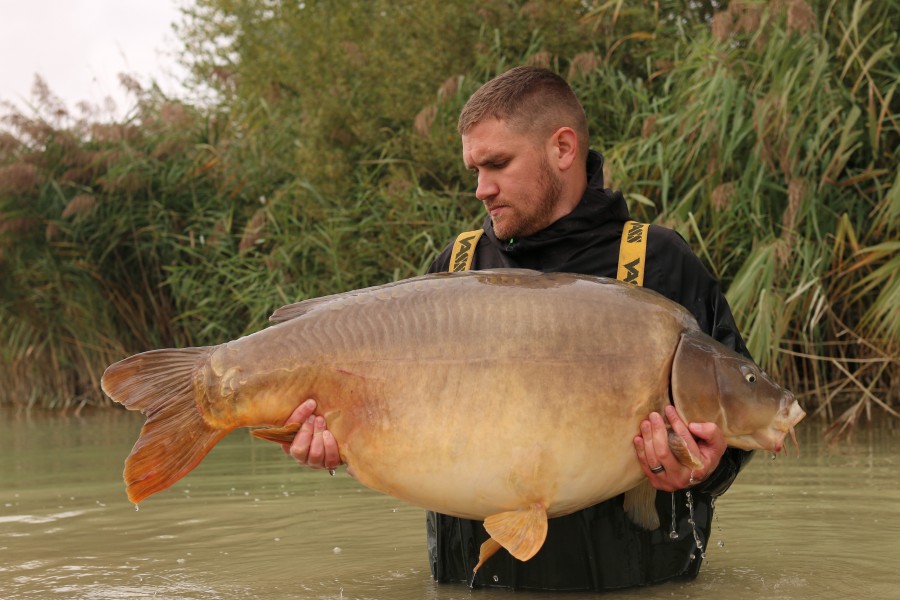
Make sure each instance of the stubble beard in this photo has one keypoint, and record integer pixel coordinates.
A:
(543, 203)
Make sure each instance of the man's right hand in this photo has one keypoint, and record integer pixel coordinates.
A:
(313, 446)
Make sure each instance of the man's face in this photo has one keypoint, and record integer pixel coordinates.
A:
(516, 182)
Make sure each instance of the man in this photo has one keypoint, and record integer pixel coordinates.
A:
(525, 138)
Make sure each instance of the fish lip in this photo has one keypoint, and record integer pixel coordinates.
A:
(778, 437)
(792, 413)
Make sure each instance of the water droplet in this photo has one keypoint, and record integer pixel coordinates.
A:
(337, 550)
(721, 544)
(136, 508)
(674, 533)
(496, 579)
(690, 506)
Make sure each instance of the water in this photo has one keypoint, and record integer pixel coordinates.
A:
(248, 523)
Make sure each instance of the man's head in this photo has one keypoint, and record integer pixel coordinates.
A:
(531, 101)
(524, 135)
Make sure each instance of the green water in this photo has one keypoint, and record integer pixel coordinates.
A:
(248, 523)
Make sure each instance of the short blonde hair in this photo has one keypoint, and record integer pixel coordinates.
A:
(532, 101)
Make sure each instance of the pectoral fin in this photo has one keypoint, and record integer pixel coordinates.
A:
(681, 452)
(282, 435)
(522, 532)
(640, 505)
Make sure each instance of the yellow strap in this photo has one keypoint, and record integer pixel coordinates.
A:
(633, 253)
(464, 250)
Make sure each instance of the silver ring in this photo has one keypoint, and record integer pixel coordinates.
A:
(657, 469)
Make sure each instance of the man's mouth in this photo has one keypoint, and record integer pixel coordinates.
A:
(495, 210)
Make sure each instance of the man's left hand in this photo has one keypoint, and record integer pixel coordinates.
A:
(704, 440)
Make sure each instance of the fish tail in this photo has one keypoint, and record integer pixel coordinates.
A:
(175, 437)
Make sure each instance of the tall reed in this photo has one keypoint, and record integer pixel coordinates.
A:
(327, 159)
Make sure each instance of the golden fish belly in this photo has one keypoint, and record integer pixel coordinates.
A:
(504, 437)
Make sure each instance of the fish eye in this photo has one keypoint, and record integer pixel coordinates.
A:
(749, 373)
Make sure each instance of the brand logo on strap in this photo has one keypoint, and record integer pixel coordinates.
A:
(632, 252)
(462, 251)
(633, 269)
(635, 233)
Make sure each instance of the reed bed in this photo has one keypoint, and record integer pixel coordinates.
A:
(765, 132)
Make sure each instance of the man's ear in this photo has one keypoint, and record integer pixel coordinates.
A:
(565, 147)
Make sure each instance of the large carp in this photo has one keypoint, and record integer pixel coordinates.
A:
(507, 396)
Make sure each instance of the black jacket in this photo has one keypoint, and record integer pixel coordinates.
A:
(599, 548)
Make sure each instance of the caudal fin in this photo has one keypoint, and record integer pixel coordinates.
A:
(175, 437)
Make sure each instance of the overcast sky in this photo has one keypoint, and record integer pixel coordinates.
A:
(80, 46)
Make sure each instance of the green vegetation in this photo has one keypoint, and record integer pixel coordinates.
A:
(326, 158)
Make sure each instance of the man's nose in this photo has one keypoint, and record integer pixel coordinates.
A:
(487, 187)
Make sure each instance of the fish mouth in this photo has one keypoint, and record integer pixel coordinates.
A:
(789, 416)
(771, 437)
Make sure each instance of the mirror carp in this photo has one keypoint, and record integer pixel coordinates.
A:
(507, 396)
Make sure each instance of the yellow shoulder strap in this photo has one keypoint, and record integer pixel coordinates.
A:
(464, 250)
(633, 253)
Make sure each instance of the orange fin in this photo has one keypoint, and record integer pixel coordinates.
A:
(681, 452)
(640, 505)
(175, 437)
(522, 532)
(488, 549)
(282, 435)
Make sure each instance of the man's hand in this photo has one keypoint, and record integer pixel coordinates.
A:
(704, 440)
(313, 446)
